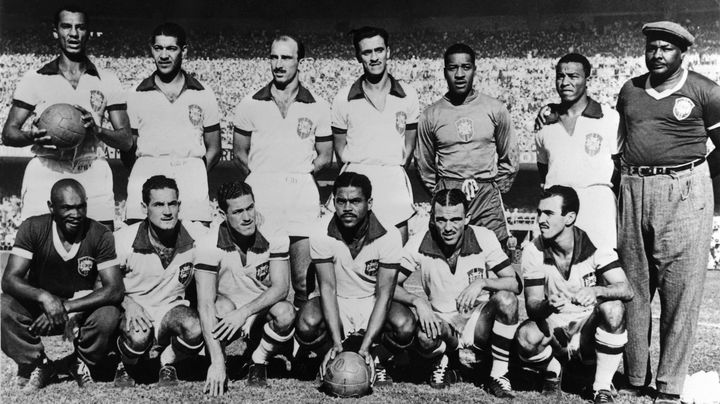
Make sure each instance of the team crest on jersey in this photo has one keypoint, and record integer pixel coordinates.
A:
(97, 101)
(184, 273)
(371, 267)
(400, 121)
(475, 274)
(683, 107)
(195, 113)
(261, 271)
(593, 142)
(465, 129)
(304, 128)
(589, 280)
(85, 265)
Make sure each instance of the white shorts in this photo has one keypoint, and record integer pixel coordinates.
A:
(466, 335)
(391, 191)
(191, 177)
(598, 215)
(42, 173)
(158, 313)
(355, 313)
(290, 200)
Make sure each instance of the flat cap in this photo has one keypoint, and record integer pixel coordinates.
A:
(671, 31)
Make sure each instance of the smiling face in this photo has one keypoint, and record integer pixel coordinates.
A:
(162, 208)
(459, 73)
(449, 223)
(241, 215)
(373, 53)
(662, 58)
(570, 81)
(69, 210)
(351, 206)
(71, 33)
(167, 54)
(284, 61)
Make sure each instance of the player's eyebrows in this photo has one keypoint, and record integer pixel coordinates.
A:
(66, 206)
(370, 50)
(449, 218)
(163, 203)
(241, 210)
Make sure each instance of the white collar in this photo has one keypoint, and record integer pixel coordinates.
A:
(58, 244)
(657, 95)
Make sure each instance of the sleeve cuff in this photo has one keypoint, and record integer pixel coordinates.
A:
(322, 260)
(280, 256)
(243, 132)
(212, 128)
(338, 131)
(499, 267)
(22, 253)
(612, 265)
(117, 107)
(206, 268)
(108, 264)
(534, 282)
(411, 126)
(319, 139)
(23, 105)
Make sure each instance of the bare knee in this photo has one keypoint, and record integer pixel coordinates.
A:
(283, 316)
(402, 323)
(223, 306)
(136, 339)
(309, 323)
(506, 306)
(531, 340)
(612, 315)
(425, 343)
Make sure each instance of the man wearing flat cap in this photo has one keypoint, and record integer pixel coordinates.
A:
(665, 203)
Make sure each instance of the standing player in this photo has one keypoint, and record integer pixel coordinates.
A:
(471, 291)
(157, 257)
(357, 260)
(666, 203)
(62, 277)
(574, 294)
(72, 79)
(243, 279)
(577, 150)
(282, 137)
(374, 123)
(466, 141)
(176, 127)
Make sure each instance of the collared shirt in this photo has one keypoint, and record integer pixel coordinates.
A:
(587, 265)
(98, 91)
(356, 276)
(375, 137)
(582, 158)
(671, 127)
(57, 270)
(146, 280)
(244, 276)
(472, 140)
(480, 257)
(280, 144)
(172, 129)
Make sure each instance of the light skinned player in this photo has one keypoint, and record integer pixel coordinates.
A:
(157, 258)
(243, 279)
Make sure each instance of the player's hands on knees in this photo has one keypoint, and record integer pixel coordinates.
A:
(467, 299)
(54, 309)
(41, 326)
(87, 119)
(430, 323)
(216, 380)
(230, 324)
(136, 318)
(470, 188)
(585, 297)
(546, 115)
(557, 302)
(72, 326)
(370, 362)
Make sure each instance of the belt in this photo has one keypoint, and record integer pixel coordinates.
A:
(657, 170)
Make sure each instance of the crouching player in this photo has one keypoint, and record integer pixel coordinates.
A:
(157, 256)
(357, 261)
(574, 296)
(243, 279)
(471, 292)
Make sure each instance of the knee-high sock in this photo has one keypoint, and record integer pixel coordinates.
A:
(435, 353)
(270, 343)
(128, 355)
(608, 348)
(178, 350)
(500, 342)
(544, 361)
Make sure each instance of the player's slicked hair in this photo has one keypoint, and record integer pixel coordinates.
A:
(232, 190)
(570, 201)
(448, 197)
(158, 182)
(170, 29)
(459, 48)
(351, 179)
(300, 45)
(66, 183)
(71, 8)
(368, 32)
(575, 58)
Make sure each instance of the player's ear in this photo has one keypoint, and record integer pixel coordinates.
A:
(144, 208)
(388, 52)
(370, 203)
(570, 218)
(50, 206)
(184, 51)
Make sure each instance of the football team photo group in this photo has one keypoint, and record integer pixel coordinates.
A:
(260, 280)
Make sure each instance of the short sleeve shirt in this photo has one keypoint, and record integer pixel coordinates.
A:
(283, 144)
(243, 278)
(57, 270)
(481, 256)
(172, 129)
(356, 277)
(375, 137)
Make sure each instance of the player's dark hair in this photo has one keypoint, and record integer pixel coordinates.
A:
(448, 197)
(367, 32)
(66, 183)
(460, 48)
(170, 29)
(351, 179)
(575, 58)
(232, 190)
(570, 201)
(71, 8)
(300, 45)
(158, 182)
